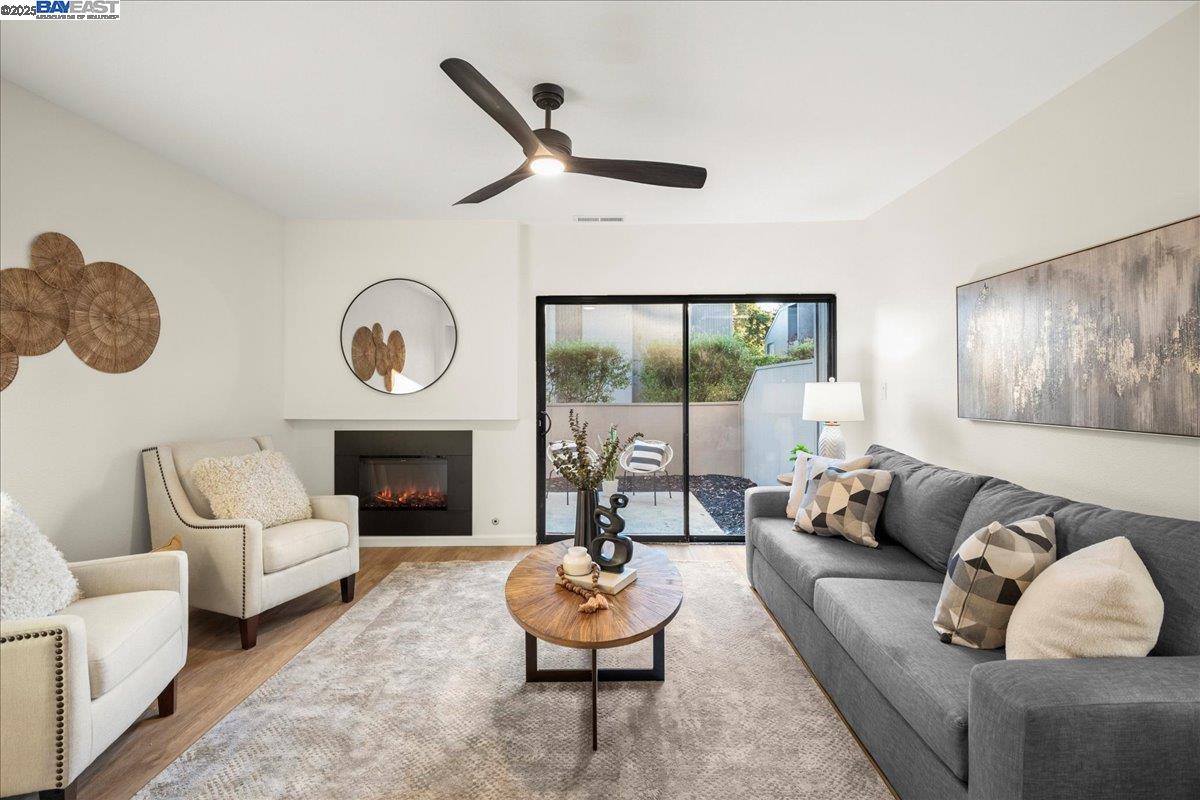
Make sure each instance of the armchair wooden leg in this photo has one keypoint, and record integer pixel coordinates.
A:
(348, 588)
(66, 793)
(249, 630)
(166, 700)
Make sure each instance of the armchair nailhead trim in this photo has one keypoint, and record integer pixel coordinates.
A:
(162, 473)
(60, 734)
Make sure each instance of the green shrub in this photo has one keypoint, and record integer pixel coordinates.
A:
(584, 372)
(721, 367)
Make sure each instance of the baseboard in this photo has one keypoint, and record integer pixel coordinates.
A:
(514, 540)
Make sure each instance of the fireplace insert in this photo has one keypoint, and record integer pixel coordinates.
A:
(408, 483)
(401, 482)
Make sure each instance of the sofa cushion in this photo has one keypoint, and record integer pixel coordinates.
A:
(802, 560)
(296, 542)
(1170, 549)
(1001, 501)
(925, 505)
(124, 631)
(884, 627)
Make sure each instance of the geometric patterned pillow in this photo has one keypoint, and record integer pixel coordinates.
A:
(986, 577)
(846, 503)
(809, 470)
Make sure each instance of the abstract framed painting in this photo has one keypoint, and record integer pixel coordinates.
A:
(1107, 337)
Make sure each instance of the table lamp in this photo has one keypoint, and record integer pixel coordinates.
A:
(832, 403)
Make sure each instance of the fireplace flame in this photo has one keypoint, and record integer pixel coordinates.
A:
(408, 498)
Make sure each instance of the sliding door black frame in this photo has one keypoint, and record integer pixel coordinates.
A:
(685, 301)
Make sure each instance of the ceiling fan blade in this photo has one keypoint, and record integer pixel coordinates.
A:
(655, 173)
(488, 98)
(492, 189)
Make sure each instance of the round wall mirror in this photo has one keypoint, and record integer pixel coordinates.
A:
(398, 336)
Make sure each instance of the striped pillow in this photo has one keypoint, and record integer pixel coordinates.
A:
(647, 455)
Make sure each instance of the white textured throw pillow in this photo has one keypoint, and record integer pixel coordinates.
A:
(261, 486)
(34, 578)
(1097, 602)
(807, 466)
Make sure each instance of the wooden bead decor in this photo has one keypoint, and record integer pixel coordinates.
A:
(33, 314)
(596, 601)
(114, 318)
(56, 259)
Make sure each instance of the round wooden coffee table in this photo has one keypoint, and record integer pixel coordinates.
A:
(551, 613)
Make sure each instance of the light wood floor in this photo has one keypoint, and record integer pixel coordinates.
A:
(219, 674)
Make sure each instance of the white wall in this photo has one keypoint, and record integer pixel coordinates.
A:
(546, 260)
(70, 434)
(472, 265)
(1117, 153)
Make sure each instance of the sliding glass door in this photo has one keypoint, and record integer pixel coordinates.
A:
(710, 386)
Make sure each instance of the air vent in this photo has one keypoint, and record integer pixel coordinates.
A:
(600, 218)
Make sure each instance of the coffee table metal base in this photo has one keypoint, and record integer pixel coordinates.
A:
(657, 672)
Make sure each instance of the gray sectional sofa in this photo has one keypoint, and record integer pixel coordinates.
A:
(944, 721)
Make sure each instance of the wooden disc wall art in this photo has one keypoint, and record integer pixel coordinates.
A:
(114, 318)
(8, 362)
(107, 314)
(56, 259)
(362, 353)
(398, 336)
(33, 314)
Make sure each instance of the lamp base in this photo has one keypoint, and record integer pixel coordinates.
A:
(832, 443)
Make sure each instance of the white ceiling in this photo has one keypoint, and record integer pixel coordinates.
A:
(802, 111)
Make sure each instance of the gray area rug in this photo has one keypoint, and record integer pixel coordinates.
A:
(418, 692)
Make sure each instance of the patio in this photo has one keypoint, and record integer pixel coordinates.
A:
(714, 505)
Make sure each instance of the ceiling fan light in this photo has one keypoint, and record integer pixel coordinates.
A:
(545, 165)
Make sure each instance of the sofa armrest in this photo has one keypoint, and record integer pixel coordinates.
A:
(762, 502)
(1088, 727)
(340, 508)
(224, 555)
(136, 573)
(766, 501)
(45, 716)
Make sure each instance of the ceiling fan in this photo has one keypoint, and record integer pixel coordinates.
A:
(548, 151)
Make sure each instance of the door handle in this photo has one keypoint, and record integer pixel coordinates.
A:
(544, 423)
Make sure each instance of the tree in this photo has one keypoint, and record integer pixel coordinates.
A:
(585, 372)
(751, 322)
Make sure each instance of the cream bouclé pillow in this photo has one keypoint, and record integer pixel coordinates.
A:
(261, 486)
(35, 580)
(809, 467)
(1094, 603)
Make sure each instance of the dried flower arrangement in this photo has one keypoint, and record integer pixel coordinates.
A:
(577, 465)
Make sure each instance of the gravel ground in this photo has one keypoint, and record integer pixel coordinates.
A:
(721, 495)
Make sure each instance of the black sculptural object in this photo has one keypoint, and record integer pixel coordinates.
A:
(611, 523)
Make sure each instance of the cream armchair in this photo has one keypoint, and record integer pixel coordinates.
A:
(237, 567)
(72, 683)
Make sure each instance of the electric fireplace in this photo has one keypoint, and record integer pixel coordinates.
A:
(408, 483)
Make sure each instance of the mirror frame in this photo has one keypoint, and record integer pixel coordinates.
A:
(346, 358)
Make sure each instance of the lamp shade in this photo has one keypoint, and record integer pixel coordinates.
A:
(832, 402)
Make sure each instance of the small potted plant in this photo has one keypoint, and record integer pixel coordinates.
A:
(797, 450)
(586, 470)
